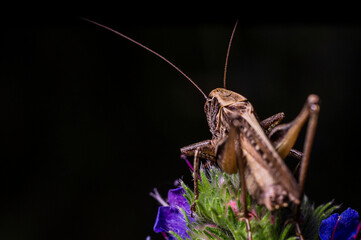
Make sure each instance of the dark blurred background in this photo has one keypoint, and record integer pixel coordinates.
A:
(91, 123)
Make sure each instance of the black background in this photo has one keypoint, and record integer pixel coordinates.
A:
(91, 123)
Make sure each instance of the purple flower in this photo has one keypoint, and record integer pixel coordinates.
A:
(341, 227)
(170, 217)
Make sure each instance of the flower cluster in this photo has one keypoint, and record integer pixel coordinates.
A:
(218, 215)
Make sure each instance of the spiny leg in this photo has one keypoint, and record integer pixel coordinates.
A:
(314, 109)
(203, 149)
(310, 134)
(284, 137)
(245, 218)
(241, 167)
(271, 122)
(196, 177)
(230, 160)
(206, 150)
(311, 110)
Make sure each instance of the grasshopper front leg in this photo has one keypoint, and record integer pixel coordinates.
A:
(206, 150)
(203, 149)
(228, 148)
(196, 177)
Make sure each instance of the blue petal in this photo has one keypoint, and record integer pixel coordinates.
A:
(327, 226)
(171, 219)
(176, 199)
(346, 225)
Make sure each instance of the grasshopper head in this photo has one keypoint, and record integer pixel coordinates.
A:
(219, 98)
(226, 97)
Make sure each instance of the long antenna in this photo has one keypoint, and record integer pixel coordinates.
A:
(229, 47)
(148, 49)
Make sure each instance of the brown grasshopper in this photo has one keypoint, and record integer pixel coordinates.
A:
(239, 144)
(255, 149)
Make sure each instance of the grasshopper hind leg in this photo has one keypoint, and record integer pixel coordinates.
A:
(284, 136)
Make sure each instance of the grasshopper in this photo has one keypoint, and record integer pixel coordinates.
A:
(254, 149)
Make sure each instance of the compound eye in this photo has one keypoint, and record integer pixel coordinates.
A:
(209, 101)
(208, 104)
